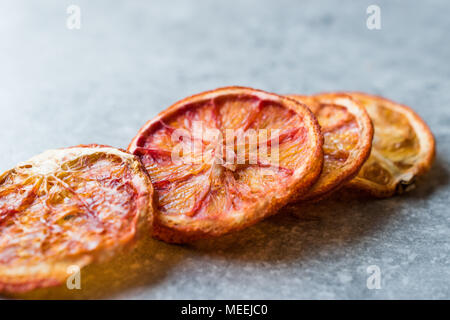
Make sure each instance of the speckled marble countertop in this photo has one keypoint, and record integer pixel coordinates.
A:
(130, 60)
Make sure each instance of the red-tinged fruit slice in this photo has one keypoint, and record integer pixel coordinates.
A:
(224, 159)
(348, 134)
(66, 208)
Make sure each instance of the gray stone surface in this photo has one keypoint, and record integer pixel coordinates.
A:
(131, 59)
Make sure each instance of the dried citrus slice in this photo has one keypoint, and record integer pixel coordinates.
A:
(68, 207)
(403, 148)
(347, 132)
(224, 159)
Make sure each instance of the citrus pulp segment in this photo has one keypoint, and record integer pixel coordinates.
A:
(225, 159)
(66, 208)
(403, 148)
(347, 132)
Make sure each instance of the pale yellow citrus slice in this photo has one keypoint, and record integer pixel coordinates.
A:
(403, 148)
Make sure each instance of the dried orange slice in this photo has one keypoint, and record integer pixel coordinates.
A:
(68, 207)
(403, 148)
(212, 159)
(347, 132)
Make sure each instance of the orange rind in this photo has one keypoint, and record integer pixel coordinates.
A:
(403, 148)
(348, 134)
(65, 208)
(219, 189)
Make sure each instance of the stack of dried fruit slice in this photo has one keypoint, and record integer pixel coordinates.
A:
(218, 162)
(68, 207)
(403, 146)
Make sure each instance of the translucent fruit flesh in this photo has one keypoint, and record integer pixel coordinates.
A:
(67, 207)
(347, 132)
(403, 148)
(234, 180)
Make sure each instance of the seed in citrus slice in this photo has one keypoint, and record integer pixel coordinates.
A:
(347, 132)
(68, 207)
(224, 159)
(403, 148)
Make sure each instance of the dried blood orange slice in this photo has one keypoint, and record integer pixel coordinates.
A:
(225, 159)
(347, 132)
(68, 207)
(403, 148)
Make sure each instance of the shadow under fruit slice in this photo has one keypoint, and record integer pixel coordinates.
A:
(224, 159)
(68, 207)
(347, 132)
(403, 148)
